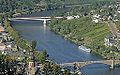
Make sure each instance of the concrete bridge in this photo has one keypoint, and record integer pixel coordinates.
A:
(44, 19)
(79, 65)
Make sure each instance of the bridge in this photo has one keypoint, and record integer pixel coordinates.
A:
(44, 19)
(79, 65)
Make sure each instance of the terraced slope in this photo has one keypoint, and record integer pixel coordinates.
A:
(84, 31)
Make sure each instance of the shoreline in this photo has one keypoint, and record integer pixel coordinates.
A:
(71, 41)
(76, 43)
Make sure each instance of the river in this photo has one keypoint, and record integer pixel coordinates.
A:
(59, 49)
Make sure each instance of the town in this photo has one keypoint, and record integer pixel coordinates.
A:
(60, 37)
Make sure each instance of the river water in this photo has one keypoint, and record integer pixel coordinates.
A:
(59, 49)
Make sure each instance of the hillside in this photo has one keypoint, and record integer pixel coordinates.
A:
(84, 32)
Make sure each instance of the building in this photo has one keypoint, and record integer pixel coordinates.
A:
(73, 17)
(31, 68)
(118, 2)
(70, 17)
(77, 16)
(115, 18)
(11, 46)
(16, 14)
(2, 47)
(96, 18)
(1, 38)
(1, 29)
(110, 41)
(118, 47)
(31, 64)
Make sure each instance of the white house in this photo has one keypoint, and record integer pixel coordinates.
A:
(110, 18)
(4, 33)
(16, 14)
(118, 10)
(118, 47)
(70, 17)
(77, 16)
(96, 18)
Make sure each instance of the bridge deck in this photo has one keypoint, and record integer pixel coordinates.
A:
(81, 64)
(35, 18)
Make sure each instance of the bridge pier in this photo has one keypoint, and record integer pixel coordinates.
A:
(112, 64)
(45, 23)
(77, 69)
(78, 65)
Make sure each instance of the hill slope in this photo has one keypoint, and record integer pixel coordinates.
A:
(84, 32)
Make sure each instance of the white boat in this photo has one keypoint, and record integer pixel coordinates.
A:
(83, 48)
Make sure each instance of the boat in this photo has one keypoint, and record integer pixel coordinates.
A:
(83, 48)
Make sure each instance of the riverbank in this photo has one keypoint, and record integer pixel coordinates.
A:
(23, 44)
(84, 32)
(42, 58)
(20, 41)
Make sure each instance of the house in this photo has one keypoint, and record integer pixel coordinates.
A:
(2, 47)
(118, 47)
(31, 68)
(70, 17)
(115, 18)
(96, 18)
(118, 34)
(110, 18)
(4, 33)
(1, 38)
(118, 10)
(1, 29)
(16, 14)
(77, 16)
(11, 45)
(110, 40)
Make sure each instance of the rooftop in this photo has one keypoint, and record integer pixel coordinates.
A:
(1, 29)
(110, 36)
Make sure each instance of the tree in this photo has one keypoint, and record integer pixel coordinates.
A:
(34, 43)
(66, 72)
(56, 70)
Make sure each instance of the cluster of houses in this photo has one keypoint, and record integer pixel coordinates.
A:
(72, 17)
(8, 46)
(110, 41)
(96, 18)
(6, 41)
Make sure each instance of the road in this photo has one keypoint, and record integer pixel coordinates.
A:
(112, 28)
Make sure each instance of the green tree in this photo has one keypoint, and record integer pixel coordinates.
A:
(34, 43)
